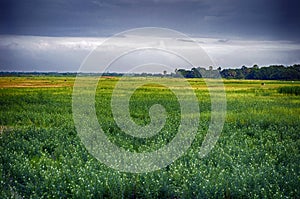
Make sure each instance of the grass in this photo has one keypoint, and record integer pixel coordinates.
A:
(256, 156)
(292, 90)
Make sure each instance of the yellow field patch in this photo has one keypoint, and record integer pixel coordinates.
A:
(35, 82)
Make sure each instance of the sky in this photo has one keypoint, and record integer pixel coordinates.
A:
(55, 35)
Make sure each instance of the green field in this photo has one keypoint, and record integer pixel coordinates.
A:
(256, 156)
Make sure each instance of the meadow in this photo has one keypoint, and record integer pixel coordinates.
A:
(257, 154)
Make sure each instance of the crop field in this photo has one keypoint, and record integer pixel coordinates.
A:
(256, 156)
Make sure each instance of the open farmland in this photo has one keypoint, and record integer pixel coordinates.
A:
(256, 156)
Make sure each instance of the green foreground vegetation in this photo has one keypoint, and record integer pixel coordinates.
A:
(256, 156)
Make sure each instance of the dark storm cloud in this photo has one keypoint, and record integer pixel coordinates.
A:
(228, 18)
(56, 35)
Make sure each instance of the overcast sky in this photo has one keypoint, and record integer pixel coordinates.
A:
(56, 35)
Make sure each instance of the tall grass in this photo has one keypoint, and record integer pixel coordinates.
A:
(293, 90)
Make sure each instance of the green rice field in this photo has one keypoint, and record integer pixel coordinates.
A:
(256, 156)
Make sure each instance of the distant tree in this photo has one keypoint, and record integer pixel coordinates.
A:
(165, 72)
(182, 72)
(232, 73)
(196, 73)
(239, 74)
(228, 73)
(177, 73)
(245, 71)
(273, 72)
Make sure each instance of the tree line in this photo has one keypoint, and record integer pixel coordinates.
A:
(272, 72)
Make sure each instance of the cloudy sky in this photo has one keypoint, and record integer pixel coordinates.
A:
(55, 35)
